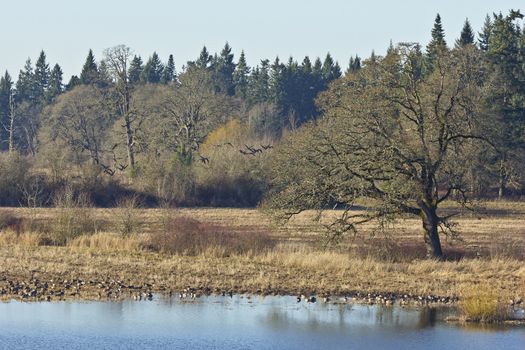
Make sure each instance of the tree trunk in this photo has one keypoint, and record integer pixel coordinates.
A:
(431, 234)
(502, 180)
(129, 145)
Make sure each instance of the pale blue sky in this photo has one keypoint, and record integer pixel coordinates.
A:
(66, 29)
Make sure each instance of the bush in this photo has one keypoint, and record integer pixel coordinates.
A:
(9, 221)
(187, 236)
(128, 215)
(75, 217)
(14, 170)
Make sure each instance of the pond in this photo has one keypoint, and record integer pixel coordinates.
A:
(240, 322)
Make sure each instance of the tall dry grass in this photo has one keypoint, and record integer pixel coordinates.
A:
(482, 303)
(104, 241)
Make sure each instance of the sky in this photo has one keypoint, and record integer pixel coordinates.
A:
(67, 29)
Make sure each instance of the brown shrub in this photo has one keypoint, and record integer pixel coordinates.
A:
(186, 236)
(75, 217)
(11, 222)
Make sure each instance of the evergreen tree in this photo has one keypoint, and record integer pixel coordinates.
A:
(467, 35)
(73, 81)
(506, 95)
(224, 69)
(152, 72)
(55, 83)
(328, 65)
(6, 90)
(390, 48)
(241, 76)
(135, 70)
(168, 74)
(204, 60)
(484, 35)
(89, 74)
(41, 76)
(355, 64)
(437, 44)
(25, 86)
(277, 82)
(331, 70)
(104, 75)
(259, 90)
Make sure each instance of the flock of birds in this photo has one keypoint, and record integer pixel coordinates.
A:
(247, 150)
(60, 289)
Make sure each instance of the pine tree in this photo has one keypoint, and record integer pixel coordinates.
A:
(467, 35)
(168, 74)
(437, 44)
(89, 74)
(135, 70)
(25, 86)
(41, 76)
(152, 72)
(55, 83)
(484, 35)
(241, 76)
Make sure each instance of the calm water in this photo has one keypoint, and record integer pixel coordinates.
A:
(237, 323)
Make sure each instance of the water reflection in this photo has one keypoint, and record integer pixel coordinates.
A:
(240, 322)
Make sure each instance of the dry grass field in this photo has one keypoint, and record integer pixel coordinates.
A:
(105, 264)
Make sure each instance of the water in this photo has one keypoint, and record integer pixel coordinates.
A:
(238, 323)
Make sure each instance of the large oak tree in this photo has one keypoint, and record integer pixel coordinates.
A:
(389, 137)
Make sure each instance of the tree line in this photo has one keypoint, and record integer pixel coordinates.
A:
(214, 132)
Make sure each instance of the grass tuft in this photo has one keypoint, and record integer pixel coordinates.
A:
(482, 303)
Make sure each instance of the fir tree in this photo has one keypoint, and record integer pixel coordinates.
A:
(55, 83)
(240, 77)
(152, 72)
(41, 76)
(484, 35)
(437, 44)
(6, 90)
(355, 64)
(104, 75)
(259, 83)
(168, 74)
(89, 74)
(224, 69)
(135, 70)
(25, 86)
(204, 59)
(73, 81)
(467, 35)
(331, 70)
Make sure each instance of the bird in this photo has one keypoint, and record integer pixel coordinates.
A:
(203, 159)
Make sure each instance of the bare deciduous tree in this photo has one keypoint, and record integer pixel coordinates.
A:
(390, 138)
